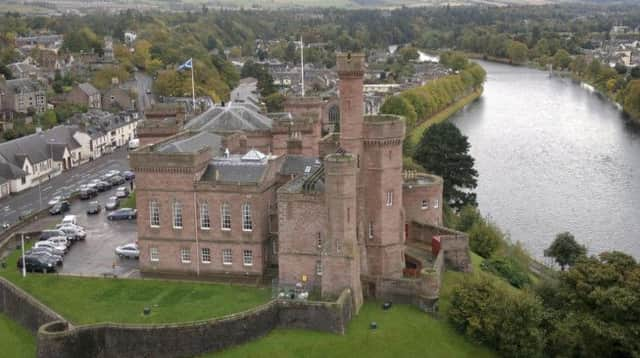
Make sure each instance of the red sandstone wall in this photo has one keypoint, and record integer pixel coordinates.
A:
(413, 197)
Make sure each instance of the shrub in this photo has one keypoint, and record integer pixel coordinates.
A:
(508, 268)
(485, 238)
(468, 216)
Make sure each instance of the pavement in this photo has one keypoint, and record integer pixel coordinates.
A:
(95, 255)
(37, 197)
(144, 83)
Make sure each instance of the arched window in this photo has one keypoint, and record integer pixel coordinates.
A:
(334, 114)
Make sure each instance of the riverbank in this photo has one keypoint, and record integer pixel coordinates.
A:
(413, 137)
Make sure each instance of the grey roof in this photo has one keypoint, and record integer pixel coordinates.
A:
(23, 68)
(23, 85)
(63, 135)
(88, 89)
(232, 117)
(97, 122)
(299, 165)
(235, 169)
(194, 143)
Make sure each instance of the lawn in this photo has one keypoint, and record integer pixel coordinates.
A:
(130, 201)
(15, 340)
(403, 331)
(91, 300)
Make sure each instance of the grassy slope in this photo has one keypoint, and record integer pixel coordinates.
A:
(403, 331)
(15, 340)
(91, 300)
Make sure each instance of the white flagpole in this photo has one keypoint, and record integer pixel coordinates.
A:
(193, 87)
(302, 65)
(24, 267)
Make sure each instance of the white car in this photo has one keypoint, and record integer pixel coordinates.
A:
(122, 192)
(54, 200)
(75, 231)
(56, 248)
(70, 219)
(130, 251)
(59, 241)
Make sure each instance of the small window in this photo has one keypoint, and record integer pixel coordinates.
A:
(319, 268)
(319, 241)
(370, 230)
(425, 204)
(177, 215)
(247, 224)
(205, 222)
(436, 204)
(247, 257)
(206, 255)
(154, 213)
(390, 198)
(225, 216)
(338, 246)
(154, 254)
(185, 255)
(307, 169)
(227, 257)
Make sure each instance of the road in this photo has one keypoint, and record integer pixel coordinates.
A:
(16, 204)
(143, 87)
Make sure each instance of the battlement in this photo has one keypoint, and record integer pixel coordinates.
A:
(383, 128)
(350, 64)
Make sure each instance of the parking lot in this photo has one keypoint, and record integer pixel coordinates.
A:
(95, 255)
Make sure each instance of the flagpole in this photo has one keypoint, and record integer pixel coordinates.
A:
(302, 65)
(193, 87)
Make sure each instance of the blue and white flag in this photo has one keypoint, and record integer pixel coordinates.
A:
(186, 65)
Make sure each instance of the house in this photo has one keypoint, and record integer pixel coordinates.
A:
(23, 95)
(107, 131)
(23, 70)
(117, 99)
(86, 95)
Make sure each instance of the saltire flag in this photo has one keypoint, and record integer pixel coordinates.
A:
(186, 65)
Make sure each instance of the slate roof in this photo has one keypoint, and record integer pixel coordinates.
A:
(88, 89)
(232, 117)
(299, 165)
(97, 122)
(23, 85)
(194, 143)
(234, 170)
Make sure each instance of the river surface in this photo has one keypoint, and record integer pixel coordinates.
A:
(554, 157)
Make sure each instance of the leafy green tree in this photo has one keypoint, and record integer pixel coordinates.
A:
(444, 151)
(485, 238)
(454, 60)
(565, 250)
(509, 269)
(467, 217)
(518, 52)
(400, 106)
(632, 99)
(561, 59)
(409, 53)
(274, 102)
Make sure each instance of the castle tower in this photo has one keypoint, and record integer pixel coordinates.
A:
(340, 257)
(382, 175)
(351, 73)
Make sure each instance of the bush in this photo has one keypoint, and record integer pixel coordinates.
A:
(468, 216)
(509, 269)
(506, 320)
(485, 238)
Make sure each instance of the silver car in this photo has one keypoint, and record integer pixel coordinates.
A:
(129, 251)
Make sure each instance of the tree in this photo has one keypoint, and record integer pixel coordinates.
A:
(444, 151)
(632, 99)
(454, 60)
(274, 102)
(565, 250)
(561, 59)
(409, 53)
(517, 52)
(400, 106)
(485, 238)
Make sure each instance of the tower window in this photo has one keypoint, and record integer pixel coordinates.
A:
(425, 204)
(370, 230)
(390, 198)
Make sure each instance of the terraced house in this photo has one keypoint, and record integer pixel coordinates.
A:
(258, 196)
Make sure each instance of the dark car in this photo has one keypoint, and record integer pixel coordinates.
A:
(88, 193)
(128, 175)
(93, 208)
(103, 186)
(123, 214)
(116, 180)
(60, 208)
(37, 263)
(41, 251)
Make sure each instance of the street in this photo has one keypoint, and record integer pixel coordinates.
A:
(37, 197)
(143, 87)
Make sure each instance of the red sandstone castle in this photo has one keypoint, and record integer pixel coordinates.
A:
(241, 193)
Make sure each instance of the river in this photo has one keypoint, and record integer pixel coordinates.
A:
(554, 157)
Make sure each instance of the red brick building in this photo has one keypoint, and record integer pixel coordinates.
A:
(329, 213)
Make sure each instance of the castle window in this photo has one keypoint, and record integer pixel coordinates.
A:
(225, 216)
(390, 198)
(206, 255)
(177, 215)
(370, 230)
(390, 153)
(319, 241)
(154, 254)
(154, 213)
(436, 204)
(319, 268)
(247, 224)
(247, 257)
(185, 255)
(425, 204)
(205, 222)
(227, 257)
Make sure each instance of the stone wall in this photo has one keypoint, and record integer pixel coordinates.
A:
(455, 244)
(58, 338)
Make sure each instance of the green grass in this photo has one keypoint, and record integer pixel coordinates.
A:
(416, 134)
(92, 300)
(130, 201)
(403, 331)
(15, 340)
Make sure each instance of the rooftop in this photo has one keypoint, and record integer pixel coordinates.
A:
(231, 117)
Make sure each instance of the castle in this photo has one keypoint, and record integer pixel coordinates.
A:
(241, 196)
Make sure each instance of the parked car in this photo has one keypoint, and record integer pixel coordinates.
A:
(93, 208)
(135, 143)
(122, 192)
(88, 193)
(59, 241)
(103, 186)
(37, 263)
(54, 200)
(58, 250)
(25, 214)
(46, 234)
(116, 180)
(112, 203)
(123, 214)
(129, 251)
(73, 231)
(46, 253)
(60, 208)
(69, 219)
(48, 249)
(128, 175)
